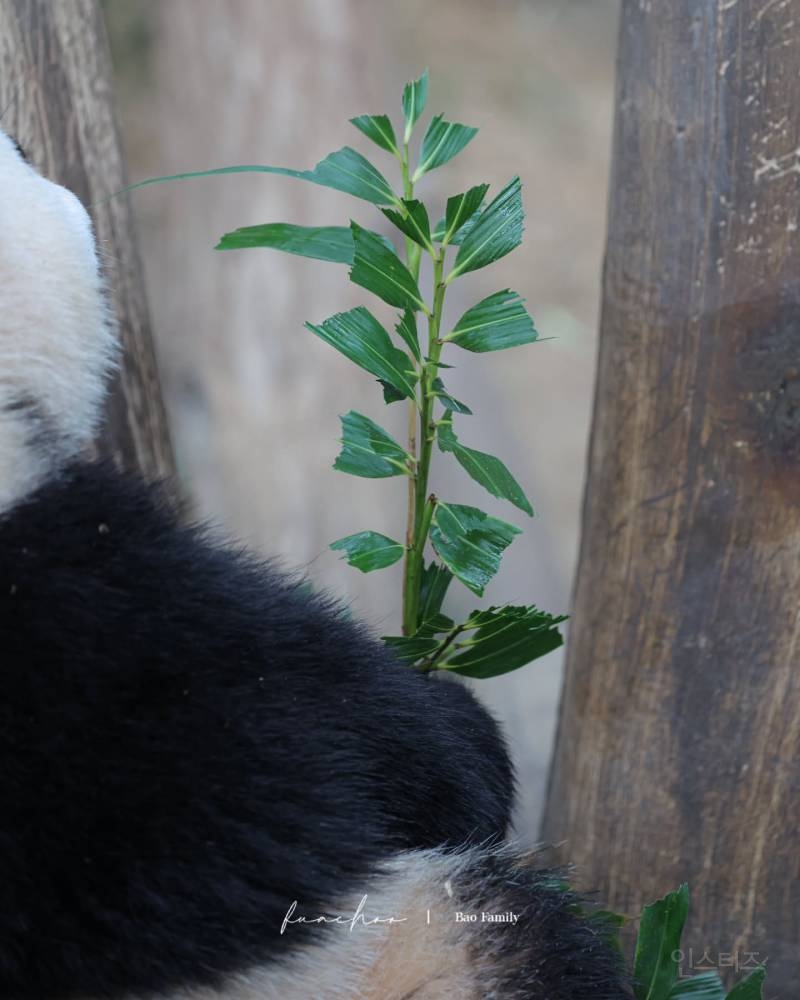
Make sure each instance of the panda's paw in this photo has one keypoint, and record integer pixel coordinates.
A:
(57, 342)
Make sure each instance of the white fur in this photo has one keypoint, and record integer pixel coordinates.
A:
(56, 341)
(430, 955)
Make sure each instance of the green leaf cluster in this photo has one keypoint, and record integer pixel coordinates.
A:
(442, 541)
(487, 644)
(467, 543)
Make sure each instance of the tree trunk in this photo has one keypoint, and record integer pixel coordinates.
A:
(55, 77)
(679, 737)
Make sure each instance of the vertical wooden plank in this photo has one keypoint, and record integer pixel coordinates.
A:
(55, 77)
(678, 754)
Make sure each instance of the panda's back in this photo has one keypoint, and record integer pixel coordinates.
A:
(188, 740)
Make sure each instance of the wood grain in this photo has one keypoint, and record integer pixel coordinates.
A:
(679, 736)
(55, 78)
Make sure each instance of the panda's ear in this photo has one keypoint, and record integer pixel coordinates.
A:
(57, 342)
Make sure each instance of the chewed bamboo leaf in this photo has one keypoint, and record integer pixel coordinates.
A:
(410, 648)
(485, 469)
(369, 451)
(413, 222)
(442, 141)
(461, 215)
(448, 401)
(503, 639)
(415, 97)
(379, 129)
(497, 322)
(381, 271)
(362, 339)
(470, 542)
(407, 331)
(433, 589)
(497, 232)
(369, 550)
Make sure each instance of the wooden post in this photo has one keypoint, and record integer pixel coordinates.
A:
(55, 77)
(678, 752)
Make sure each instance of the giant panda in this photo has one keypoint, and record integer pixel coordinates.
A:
(214, 785)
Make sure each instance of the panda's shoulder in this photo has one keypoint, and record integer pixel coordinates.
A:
(92, 534)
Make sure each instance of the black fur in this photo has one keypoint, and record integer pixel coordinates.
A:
(189, 742)
(20, 150)
(553, 952)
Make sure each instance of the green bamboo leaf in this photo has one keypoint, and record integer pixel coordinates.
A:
(433, 588)
(410, 648)
(415, 97)
(379, 129)
(333, 243)
(449, 402)
(426, 641)
(414, 223)
(656, 964)
(485, 469)
(494, 324)
(458, 237)
(362, 339)
(751, 988)
(381, 271)
(461, 215)
(438, 623)
(369, 550)
(470, 542)
(504, 639)
(705, 986)
(497, 232)
(442, 141)
(390, 394)
(368, 451)
(407, 331)
(345, 170)
(435, 624)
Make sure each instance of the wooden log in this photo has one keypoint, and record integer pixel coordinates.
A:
(678, 750)
(56, 81)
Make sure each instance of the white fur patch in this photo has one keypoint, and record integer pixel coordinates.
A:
(57, 343)
(404, 940)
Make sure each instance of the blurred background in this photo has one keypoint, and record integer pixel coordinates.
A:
(253, 398)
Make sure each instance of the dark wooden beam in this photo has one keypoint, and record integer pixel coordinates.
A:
(55, 77)
(678, 751)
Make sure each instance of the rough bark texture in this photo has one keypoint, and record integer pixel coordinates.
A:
(679, 737)
(55, 77)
